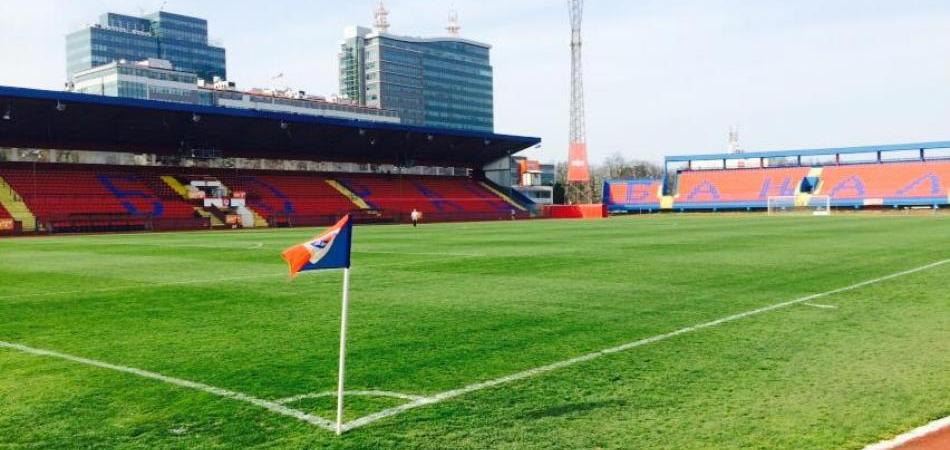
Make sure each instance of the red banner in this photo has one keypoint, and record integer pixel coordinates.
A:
(6, 224)
(593, 211)
(577, 170)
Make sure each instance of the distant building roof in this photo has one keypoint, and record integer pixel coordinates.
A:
(67, 120)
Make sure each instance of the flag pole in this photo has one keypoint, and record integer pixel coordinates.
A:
(339, 388)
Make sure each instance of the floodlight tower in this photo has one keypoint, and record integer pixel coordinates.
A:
(578, 188)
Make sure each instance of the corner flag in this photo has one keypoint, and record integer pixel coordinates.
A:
(330, 250)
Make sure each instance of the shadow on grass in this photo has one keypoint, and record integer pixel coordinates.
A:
(571, 408)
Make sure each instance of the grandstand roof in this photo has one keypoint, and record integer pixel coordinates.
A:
(811, 152)
(91, 122)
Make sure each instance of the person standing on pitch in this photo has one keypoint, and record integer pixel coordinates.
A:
(415, 215)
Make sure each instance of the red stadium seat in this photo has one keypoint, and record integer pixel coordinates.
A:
(56, 191)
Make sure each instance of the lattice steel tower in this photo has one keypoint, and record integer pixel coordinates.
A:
(578, 188)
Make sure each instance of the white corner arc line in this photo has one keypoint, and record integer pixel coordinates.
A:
(220, 392)
(911, 435)
(369, 393)
(442, 396)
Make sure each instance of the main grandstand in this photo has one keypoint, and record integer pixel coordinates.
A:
(872, 177)
(178, 188)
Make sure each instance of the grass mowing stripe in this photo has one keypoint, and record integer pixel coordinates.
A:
(138, 286)
(147, 284)
(442, 396)
(372, 393)
(220, 392)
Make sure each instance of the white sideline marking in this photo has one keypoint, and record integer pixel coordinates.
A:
(916, 433)
(817, 305)
(220, 392)
(372, 393)
(442, 396)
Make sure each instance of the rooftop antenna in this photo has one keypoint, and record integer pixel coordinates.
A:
(734, 140)
(276, 79)
(382, 18)
(453, 27)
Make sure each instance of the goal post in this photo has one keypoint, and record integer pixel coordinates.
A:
(816, 205)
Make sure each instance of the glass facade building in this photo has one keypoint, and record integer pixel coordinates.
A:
(158, 79)
(438, 82)
(147, 80)
(180, 39)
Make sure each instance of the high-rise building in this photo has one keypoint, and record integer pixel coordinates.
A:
(440, 82)
(180, 39)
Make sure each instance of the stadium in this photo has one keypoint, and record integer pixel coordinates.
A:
(790, 299)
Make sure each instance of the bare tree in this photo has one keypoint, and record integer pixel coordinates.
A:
(614, 166)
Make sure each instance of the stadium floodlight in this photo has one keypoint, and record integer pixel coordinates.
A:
(284, 125)
(430, 138)
(60, 106)
(195, 118)
(372, 141)
(487, 142)
(8, 115)
(362, 132)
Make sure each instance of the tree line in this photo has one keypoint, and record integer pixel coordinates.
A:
(613, 167)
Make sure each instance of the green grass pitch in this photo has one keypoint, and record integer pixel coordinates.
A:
(447, 305)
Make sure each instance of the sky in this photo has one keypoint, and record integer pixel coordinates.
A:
(662, 77)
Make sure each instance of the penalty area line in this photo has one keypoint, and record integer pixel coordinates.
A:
(269, 405)
(443, 396)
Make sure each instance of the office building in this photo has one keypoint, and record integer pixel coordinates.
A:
(180, 39)
(158, 79)
(441, 82)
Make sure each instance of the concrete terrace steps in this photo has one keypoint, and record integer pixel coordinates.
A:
(14, 205)
(182, 191)
(359, 202)
(501, 195)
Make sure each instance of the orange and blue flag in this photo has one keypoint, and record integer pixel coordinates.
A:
(330, 250)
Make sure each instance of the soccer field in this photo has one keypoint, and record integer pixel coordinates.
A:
(644, 332)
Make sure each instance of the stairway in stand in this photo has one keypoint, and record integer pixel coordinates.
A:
(180, 189)
(14, 205)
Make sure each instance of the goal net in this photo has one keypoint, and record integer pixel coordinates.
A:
(817, 205)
